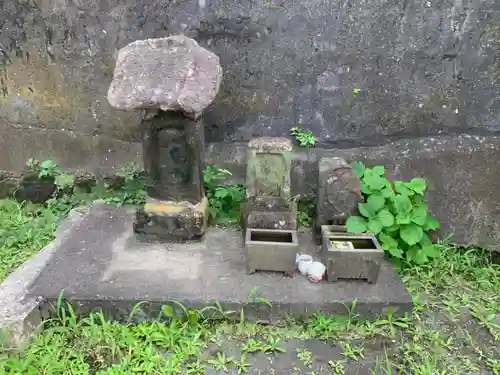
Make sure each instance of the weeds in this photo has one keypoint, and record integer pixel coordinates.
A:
(306, 208)
(24, 229)
(224, 200)
(433, 340)
(305, 138)
(397, 213)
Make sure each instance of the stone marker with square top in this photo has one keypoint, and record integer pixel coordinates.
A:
(269, 203)
(172, 80)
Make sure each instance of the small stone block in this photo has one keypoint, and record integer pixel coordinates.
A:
(348, 256)
(171, 221)
(271, 250)
(270, 213)
(338, 194)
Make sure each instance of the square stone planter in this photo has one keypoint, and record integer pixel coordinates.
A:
(350, 257)
(271, 250)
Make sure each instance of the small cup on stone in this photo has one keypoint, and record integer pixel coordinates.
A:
(316, 271)
(304, 261)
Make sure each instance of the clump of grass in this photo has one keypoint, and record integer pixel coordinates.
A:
(24, 229)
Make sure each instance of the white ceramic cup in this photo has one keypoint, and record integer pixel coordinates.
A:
(316, 271)
(304, 261)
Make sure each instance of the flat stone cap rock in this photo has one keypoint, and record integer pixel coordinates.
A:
(171, 74)
(270, 144)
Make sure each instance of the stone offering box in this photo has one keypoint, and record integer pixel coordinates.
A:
(349, 256)
(271, 250)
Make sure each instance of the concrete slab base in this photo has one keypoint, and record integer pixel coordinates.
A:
(103, 265)
(21, 313)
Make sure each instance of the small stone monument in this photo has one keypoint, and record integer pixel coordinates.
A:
(269, 215)
(338, 194)
(172, 80)
(269, 202)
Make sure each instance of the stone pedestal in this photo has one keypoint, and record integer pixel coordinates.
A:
(172, 221)
(172, 80)
(338, 193)
(269, 213)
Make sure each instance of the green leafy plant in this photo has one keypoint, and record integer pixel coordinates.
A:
(305, 211)
(242, 365)
(337, 367)
(305, 356)
(305, 138)
(130, 190)
(224, 200)
(397, 213)
(274, 345)
(252, 346)
(49, 170)
(221, 362)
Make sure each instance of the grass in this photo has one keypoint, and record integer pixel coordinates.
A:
(24, 229)
(454, 329)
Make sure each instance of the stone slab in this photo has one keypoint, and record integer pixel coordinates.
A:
(20, 313)
(103, 265)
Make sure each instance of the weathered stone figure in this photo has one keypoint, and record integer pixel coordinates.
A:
(338, 194)
(269, 203)
(172, 80)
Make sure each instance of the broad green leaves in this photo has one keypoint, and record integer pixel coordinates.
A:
(356, 224)
(431, 224)
(385, 217)
(359, 168)
(397, 213)
(402, 204)
(376, 202)
(411, 233)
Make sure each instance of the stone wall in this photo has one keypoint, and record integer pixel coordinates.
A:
(422, 67)
(425, 69)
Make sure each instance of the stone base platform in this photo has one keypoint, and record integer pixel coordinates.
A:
(171, 221)
(101, 264)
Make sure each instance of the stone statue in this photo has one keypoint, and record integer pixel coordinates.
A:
(172, 80)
